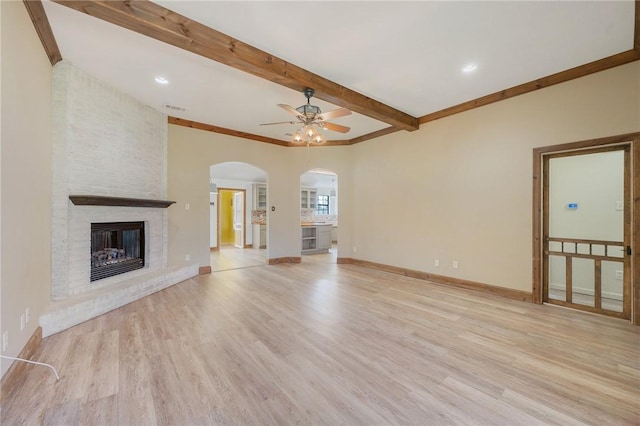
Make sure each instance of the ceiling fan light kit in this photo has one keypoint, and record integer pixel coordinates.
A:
(313, 121)
(308, 134)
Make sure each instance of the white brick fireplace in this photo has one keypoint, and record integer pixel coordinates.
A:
(104, 144)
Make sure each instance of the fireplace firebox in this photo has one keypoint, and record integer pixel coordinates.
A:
(116, 248)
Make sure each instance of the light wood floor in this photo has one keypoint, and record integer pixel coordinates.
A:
(326, 344)
(231, 257)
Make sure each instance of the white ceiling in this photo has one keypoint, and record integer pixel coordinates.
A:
(407, 55)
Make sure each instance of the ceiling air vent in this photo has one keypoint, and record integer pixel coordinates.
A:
(173, 107)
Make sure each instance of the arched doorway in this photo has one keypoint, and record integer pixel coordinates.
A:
(319, 215)
(237, 215)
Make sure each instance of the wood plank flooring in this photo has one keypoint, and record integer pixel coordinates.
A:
(323, 344)
(231, 257)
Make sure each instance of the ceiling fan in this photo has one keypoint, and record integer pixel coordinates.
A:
(312, 120)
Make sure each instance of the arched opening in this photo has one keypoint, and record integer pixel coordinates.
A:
(319, 215)
(237, 215)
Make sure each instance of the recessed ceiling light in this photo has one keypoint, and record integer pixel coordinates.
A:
(161, 80)
(469, 68)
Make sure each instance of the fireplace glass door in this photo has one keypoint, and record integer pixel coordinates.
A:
(116, 248)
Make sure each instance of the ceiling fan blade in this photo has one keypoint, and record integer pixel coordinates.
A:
(290, 110)
(335, 127)
(340, 112)
(279, 122)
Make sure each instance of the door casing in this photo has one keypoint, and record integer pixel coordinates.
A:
(626, 311)
(632, 206)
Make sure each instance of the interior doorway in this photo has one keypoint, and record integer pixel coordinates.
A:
(232, 217)
(319, 213)
(584, 226)
(237, 216)
(585, 234)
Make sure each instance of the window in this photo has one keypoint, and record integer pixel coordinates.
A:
(323, 204)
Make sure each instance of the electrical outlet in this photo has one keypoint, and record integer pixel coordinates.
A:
(27, 315)
(619, 275)
(21, 322)
(187, 257)
(355, 249)
(187, 206)
(455, 264)
(5, 341)
(436, 262)
(619, 206)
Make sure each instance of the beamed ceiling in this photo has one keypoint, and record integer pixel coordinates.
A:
(395, 64)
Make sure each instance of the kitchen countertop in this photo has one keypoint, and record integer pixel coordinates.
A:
(315, 224)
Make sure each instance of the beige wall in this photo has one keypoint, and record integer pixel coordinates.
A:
(460, 188)
(25, 176)
(457, 189)
(191, 152)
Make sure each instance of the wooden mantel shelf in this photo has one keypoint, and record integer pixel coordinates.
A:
(97, 200)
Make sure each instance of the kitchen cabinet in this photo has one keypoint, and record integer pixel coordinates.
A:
(324, 237)
(308, 198)
(316, 238)
(259, 197)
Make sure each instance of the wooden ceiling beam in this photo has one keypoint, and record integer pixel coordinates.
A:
(153, 20)
(43, 29)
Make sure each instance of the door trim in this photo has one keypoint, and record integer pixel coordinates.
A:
(632, 140)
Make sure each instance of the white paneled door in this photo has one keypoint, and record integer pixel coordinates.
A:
(238, 219)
